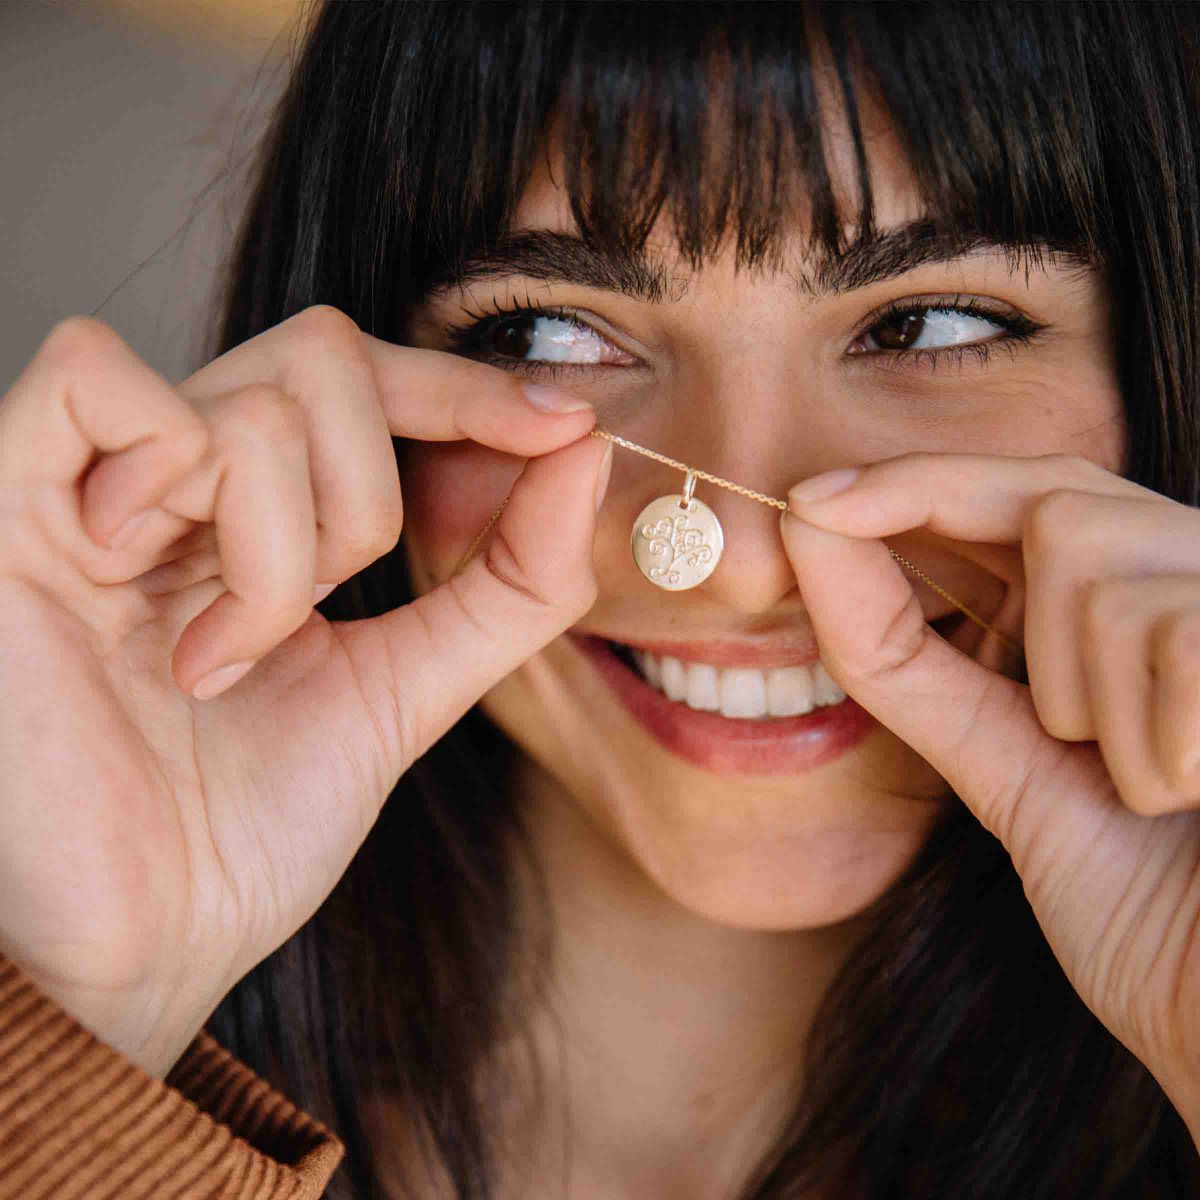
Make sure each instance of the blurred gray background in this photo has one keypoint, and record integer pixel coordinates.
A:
(125, 140)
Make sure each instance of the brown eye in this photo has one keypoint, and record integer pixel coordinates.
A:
(545, 338)
(512, 339)
(898, 332)
(934, 329)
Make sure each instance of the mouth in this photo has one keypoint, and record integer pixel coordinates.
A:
(738, 692)
(731, 719)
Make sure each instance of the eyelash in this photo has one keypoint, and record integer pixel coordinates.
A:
(1019, 331)
(468, 338)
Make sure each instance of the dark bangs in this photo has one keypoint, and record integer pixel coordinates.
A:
(708, 113)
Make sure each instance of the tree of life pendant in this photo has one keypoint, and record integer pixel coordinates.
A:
(677, 540)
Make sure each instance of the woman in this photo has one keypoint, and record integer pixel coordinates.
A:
(934, 937)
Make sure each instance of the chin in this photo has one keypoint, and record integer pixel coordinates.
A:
(811, 881)
(767, 853)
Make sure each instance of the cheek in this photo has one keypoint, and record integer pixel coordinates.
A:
(450, 490)
(1028, 413)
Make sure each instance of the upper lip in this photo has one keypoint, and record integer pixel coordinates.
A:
(794, 650)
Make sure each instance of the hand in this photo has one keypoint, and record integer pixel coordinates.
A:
(155, 847)
(1090, 775)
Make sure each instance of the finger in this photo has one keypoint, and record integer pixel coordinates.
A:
(318, 359)
(1117, 619)
(1075, 521)
(1175, 669)
(976, 497)
(356, 392)
(1075, 541)
(87, 403)
(256, 492)
(532, 580)
(977, 728)
(425, 394)
(439, 397)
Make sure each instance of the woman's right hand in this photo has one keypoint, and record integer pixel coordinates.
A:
(154, 847)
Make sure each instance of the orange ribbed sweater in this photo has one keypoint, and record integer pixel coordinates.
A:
(80, 1121)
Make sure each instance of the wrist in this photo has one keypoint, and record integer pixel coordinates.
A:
(154, 1031)
(151, 1026)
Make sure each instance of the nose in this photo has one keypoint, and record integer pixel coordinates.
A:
(742, 428)
(754, 574)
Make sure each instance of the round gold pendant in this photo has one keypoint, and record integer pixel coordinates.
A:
(677, 540)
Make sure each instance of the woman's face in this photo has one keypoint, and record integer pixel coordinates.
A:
(762, 378)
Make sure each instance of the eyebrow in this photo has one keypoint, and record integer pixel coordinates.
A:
(557, 257)
(562, 258)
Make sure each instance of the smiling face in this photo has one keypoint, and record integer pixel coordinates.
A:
(756, 819)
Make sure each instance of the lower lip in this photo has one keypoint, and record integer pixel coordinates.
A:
(779, 746)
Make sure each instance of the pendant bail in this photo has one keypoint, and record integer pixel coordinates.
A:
(689, 488)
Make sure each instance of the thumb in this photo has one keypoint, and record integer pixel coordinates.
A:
(978, 729)
(532, 580)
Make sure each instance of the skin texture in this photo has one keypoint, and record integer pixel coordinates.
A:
(692, 900)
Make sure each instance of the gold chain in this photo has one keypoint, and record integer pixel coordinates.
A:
(762, 499)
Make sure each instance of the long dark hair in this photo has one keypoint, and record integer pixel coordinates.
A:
(951, 1058)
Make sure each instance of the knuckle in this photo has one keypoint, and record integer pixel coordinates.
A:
(373, 536)
(562, 596)
(1061, 720)
(340, 557)
(1054, 519)
(328, 328)
(503, 563)
(261, 412)
(363, 537)
(79, 340)
(899, 643)
(190, 442)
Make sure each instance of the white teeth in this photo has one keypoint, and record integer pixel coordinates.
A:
(789, 691)
(825, 691)
(652, 669)
(674, 678)
(703, 691)
(744, 692)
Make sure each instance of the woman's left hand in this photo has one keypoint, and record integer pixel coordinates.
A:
(1090, 775)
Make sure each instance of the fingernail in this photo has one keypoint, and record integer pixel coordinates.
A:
(218, 681)
(553, 400)
(128, 531)
(321, 591)
(821, 487)
(602, 478)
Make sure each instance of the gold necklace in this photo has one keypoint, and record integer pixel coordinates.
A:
(677, 540)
